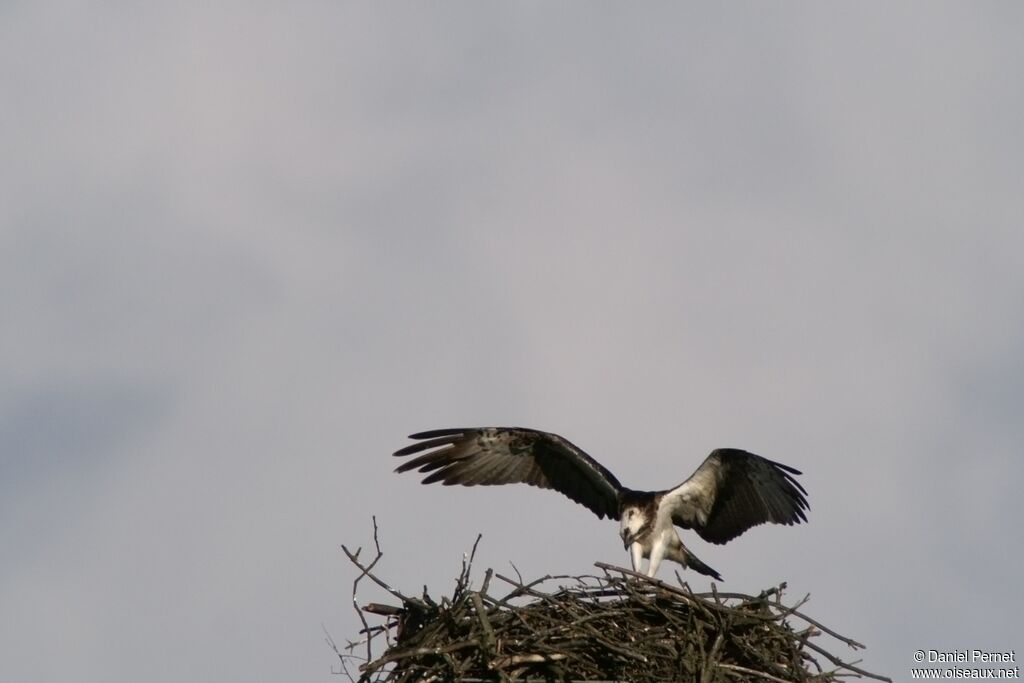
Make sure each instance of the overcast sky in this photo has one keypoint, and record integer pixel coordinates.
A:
(246, 249)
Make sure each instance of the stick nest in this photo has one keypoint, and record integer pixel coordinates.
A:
(614, 625)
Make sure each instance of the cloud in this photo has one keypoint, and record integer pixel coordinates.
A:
(248, 249)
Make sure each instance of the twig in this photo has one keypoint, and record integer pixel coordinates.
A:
(481, 614)
(750, 672)
(840, 663)
(341, 657)
(355, 584)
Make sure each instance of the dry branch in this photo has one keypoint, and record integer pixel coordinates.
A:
(616, 625)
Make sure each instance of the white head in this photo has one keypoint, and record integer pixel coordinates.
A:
(632, 521)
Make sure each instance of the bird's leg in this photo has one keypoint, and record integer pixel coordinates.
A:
(636, 555)
(657, 554)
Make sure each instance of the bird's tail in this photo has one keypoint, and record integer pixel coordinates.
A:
(695, 564)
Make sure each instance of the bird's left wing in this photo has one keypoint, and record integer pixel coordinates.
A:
(734, 490)
(511, 455)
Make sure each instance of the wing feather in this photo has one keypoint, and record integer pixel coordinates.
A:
(512, 455)
(734, 490)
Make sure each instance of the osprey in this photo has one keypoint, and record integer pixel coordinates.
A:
(730, 492)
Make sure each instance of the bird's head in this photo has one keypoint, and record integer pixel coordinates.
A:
(632, 523)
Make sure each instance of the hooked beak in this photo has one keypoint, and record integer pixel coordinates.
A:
(627, 538)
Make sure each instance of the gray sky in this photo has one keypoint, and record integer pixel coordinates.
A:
(246, 249)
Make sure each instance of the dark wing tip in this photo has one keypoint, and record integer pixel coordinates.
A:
(787, 473)
(432, 439)
(433, 433)
(429, 459)
(774, 496)
(791, 470)
(794, 502)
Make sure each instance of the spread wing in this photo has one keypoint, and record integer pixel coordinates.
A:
(734, 490)
(510, 455)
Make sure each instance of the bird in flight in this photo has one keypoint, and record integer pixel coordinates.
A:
(730, 492)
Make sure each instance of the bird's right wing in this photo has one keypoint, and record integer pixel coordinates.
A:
(510, 455)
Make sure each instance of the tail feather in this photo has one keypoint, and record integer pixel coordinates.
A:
(696, 565)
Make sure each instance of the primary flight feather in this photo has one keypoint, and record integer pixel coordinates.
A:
(730, 492)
